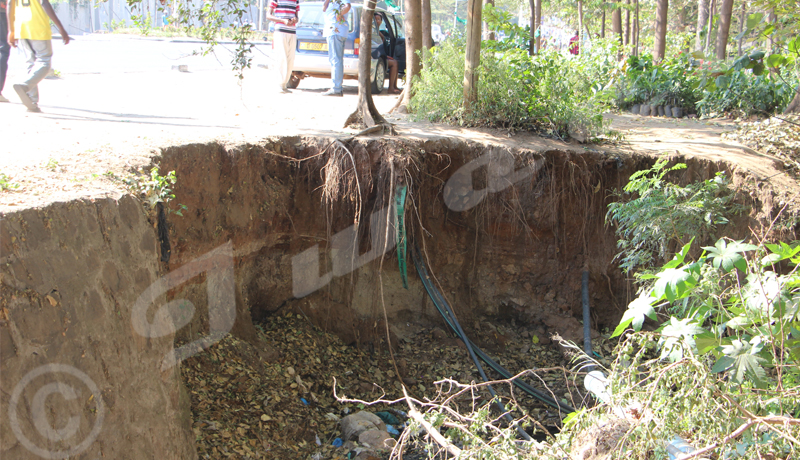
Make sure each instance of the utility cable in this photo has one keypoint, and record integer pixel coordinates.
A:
(440, 303)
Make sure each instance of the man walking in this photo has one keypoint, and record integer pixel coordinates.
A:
(5, 48)
(29, 26)
(284, 14)
(336, 33)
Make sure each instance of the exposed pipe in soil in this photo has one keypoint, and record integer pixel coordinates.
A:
(438, 301)
(163, 233)
(587, 331)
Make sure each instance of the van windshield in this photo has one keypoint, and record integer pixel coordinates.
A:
(313, 16)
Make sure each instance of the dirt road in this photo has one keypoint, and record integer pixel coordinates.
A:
(93, 124)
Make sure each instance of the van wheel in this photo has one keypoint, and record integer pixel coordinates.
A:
(380, 77)
(294, 80)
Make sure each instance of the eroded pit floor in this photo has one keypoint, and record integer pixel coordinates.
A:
(245, 407)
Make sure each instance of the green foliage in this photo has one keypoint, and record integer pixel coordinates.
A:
(545, 93)
(114, 25)
(744, 93)
(52, 164)
(654, 216)
(219, 18)
(673, 81)
(6, 183)
(155, 188)
(659, 399)
(745, 321)
(498, 21)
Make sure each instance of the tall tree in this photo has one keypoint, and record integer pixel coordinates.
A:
(488, 34)
(772, 20)
(661, 29)
(413, 26)
(702, 19)
(366, 113)
(427, 34)
(742, 16)
(473, 52)
(603, 21)
(532, 41)
(710, 24)
(636, 29)
(627, 40)
(538, 10)
(725, 13)
(580, 24)
(616, 21)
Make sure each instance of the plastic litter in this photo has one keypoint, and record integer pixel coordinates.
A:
(388, 418)
(597, 384)
(305, 403)
(337, 442)
(392, 430)
(677, 447)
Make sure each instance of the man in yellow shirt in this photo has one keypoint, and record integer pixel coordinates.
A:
(29, 26)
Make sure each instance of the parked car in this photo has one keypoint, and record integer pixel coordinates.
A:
(311, 56)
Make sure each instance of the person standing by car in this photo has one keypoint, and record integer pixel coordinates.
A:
(29, 25)
(336, 33)
(391, 63)
(284, 39)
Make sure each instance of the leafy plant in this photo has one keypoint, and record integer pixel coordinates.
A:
(52, 164)
(654, 216)
(156, 188)
(517, 91)
(746, 322)
(6, 184)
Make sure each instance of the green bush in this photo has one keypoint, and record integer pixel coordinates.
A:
(674, 81)
(545, 93)
(743, 93)
(654, 216)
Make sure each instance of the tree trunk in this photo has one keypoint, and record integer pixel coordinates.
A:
(413, 26)
(580, 24)
(532, 42)
(742, 16)
(538, 9)
(725, 13)
(702, 19)
(473, 53)
(771, 41)
(603, 22)
(616, 21)
(661, 30)
(794, 106)
(627, 40)
(489, 33)
(427, 34)
(710, 24)
(636, 30)
(365, 114)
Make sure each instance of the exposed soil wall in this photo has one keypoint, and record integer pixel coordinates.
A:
(71, 275)
(516, 250)
(297, 223)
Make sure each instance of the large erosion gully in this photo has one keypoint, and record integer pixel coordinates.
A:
(97, 293)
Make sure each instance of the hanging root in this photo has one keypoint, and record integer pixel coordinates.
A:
(338, 183)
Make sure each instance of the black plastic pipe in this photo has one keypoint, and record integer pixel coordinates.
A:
(587, 322)
(439, 301)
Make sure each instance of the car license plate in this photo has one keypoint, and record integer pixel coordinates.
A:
(314, 46)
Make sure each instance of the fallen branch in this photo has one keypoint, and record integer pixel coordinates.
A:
(753, 420)
(432, 431)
